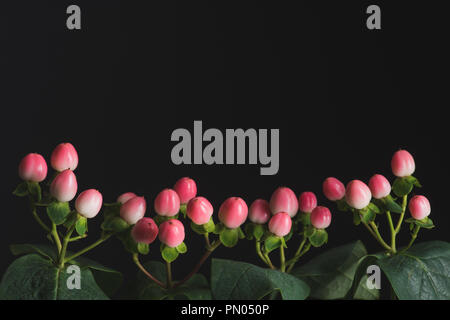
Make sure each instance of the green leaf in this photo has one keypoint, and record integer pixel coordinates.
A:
(81, 225)
(272, 243)
(32, 277)
(35, 190)
(58, 212)
(426, 222)
(330, 274)
(372, 206)
(402, 186)
(391, 205)
(229, 237)
(367, 215)
(115, 224)
(143, 248)
(233, 280)
(319, 238)
(21, 189)
(182, 248)
(421, 273)
(356, 218)
(43, 250)
(196, 288)
(169, 254)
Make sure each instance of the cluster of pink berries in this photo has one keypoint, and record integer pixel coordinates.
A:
(358, 195)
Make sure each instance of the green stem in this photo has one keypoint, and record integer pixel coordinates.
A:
(282, 259)
(43, 225)
(393, 234)
(202, 260)
(78, 237)
(291, 263)
(379, 237)
(55, 235)
(260, 254)
(169, 283)
(413, 238)
(66, 241)
(402, 215)
(208, 244)
(148, 274)
(90, 247)
(269, 261)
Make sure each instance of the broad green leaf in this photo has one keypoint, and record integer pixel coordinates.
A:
(330, 275)
(58, 212)
(196, 288)
(421, 273)
(233, 280)
(32, 277)
(43, 250)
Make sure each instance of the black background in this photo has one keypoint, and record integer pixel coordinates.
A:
(344, 98)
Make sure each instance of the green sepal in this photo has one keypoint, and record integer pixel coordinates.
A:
(183, 208)
(372, 206)
(413, 180)
(319, 238)
(342, 205)
(160, 219)
(402, 186)
(81, 225)
(390, 205)
(169, 254)
(34, 189)
(271, 243)
(304, 218)
(21, 189)
(229, 237)
(309, 231)
(143, 248)
(356, 218)
(426, 222)
(219, 228)
(115, 224)
(71, 219)
(111, 210)
(367, 214)
(241, 233)
(58, 212)
(204, 228)
(182, 248)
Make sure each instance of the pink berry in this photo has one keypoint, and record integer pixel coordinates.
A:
(167, 203)
(133, 210)
(171, 233)
(233, 212)
(199, 210)
(419, 207)
(64, 186)
(64, 156)
(379, 186)
(307, 202)
(186, 189)
(145, 231)
(33, 168)
(333, 189)
(259, 211)
(402, 164)
(321, 217)
(89, 203)
(357, 194)
(125, 197)
(284, 200)
(280, 224)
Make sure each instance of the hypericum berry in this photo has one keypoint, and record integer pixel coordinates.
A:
(186, 189)
(233, 212)
(145, 231)
(64, 157)
(167, 203)
(89, 203)
(379, 186)
(403, 164)
(259, 211)
(124, 197)
(333, 189)
(307, 202)
(320, 217)
(199, 210)
(33, 168)
(419, 207)
(357, 194)
(284, 200)
(133, 210)
(64, 186)
(171, 233)
(280, 224)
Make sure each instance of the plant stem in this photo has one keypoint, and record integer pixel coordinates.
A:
(169, 283)
(402, 215)
(148, 274)
(78, 237)
(208, 244)
(269, 261)
(42, 224)
(393, 234)
(90, 247)
(291, 263)
(379, 237)
(55, 235)
(282, 259)
(199, 263)
(258, 250)
(64, 246)
(413, 238)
